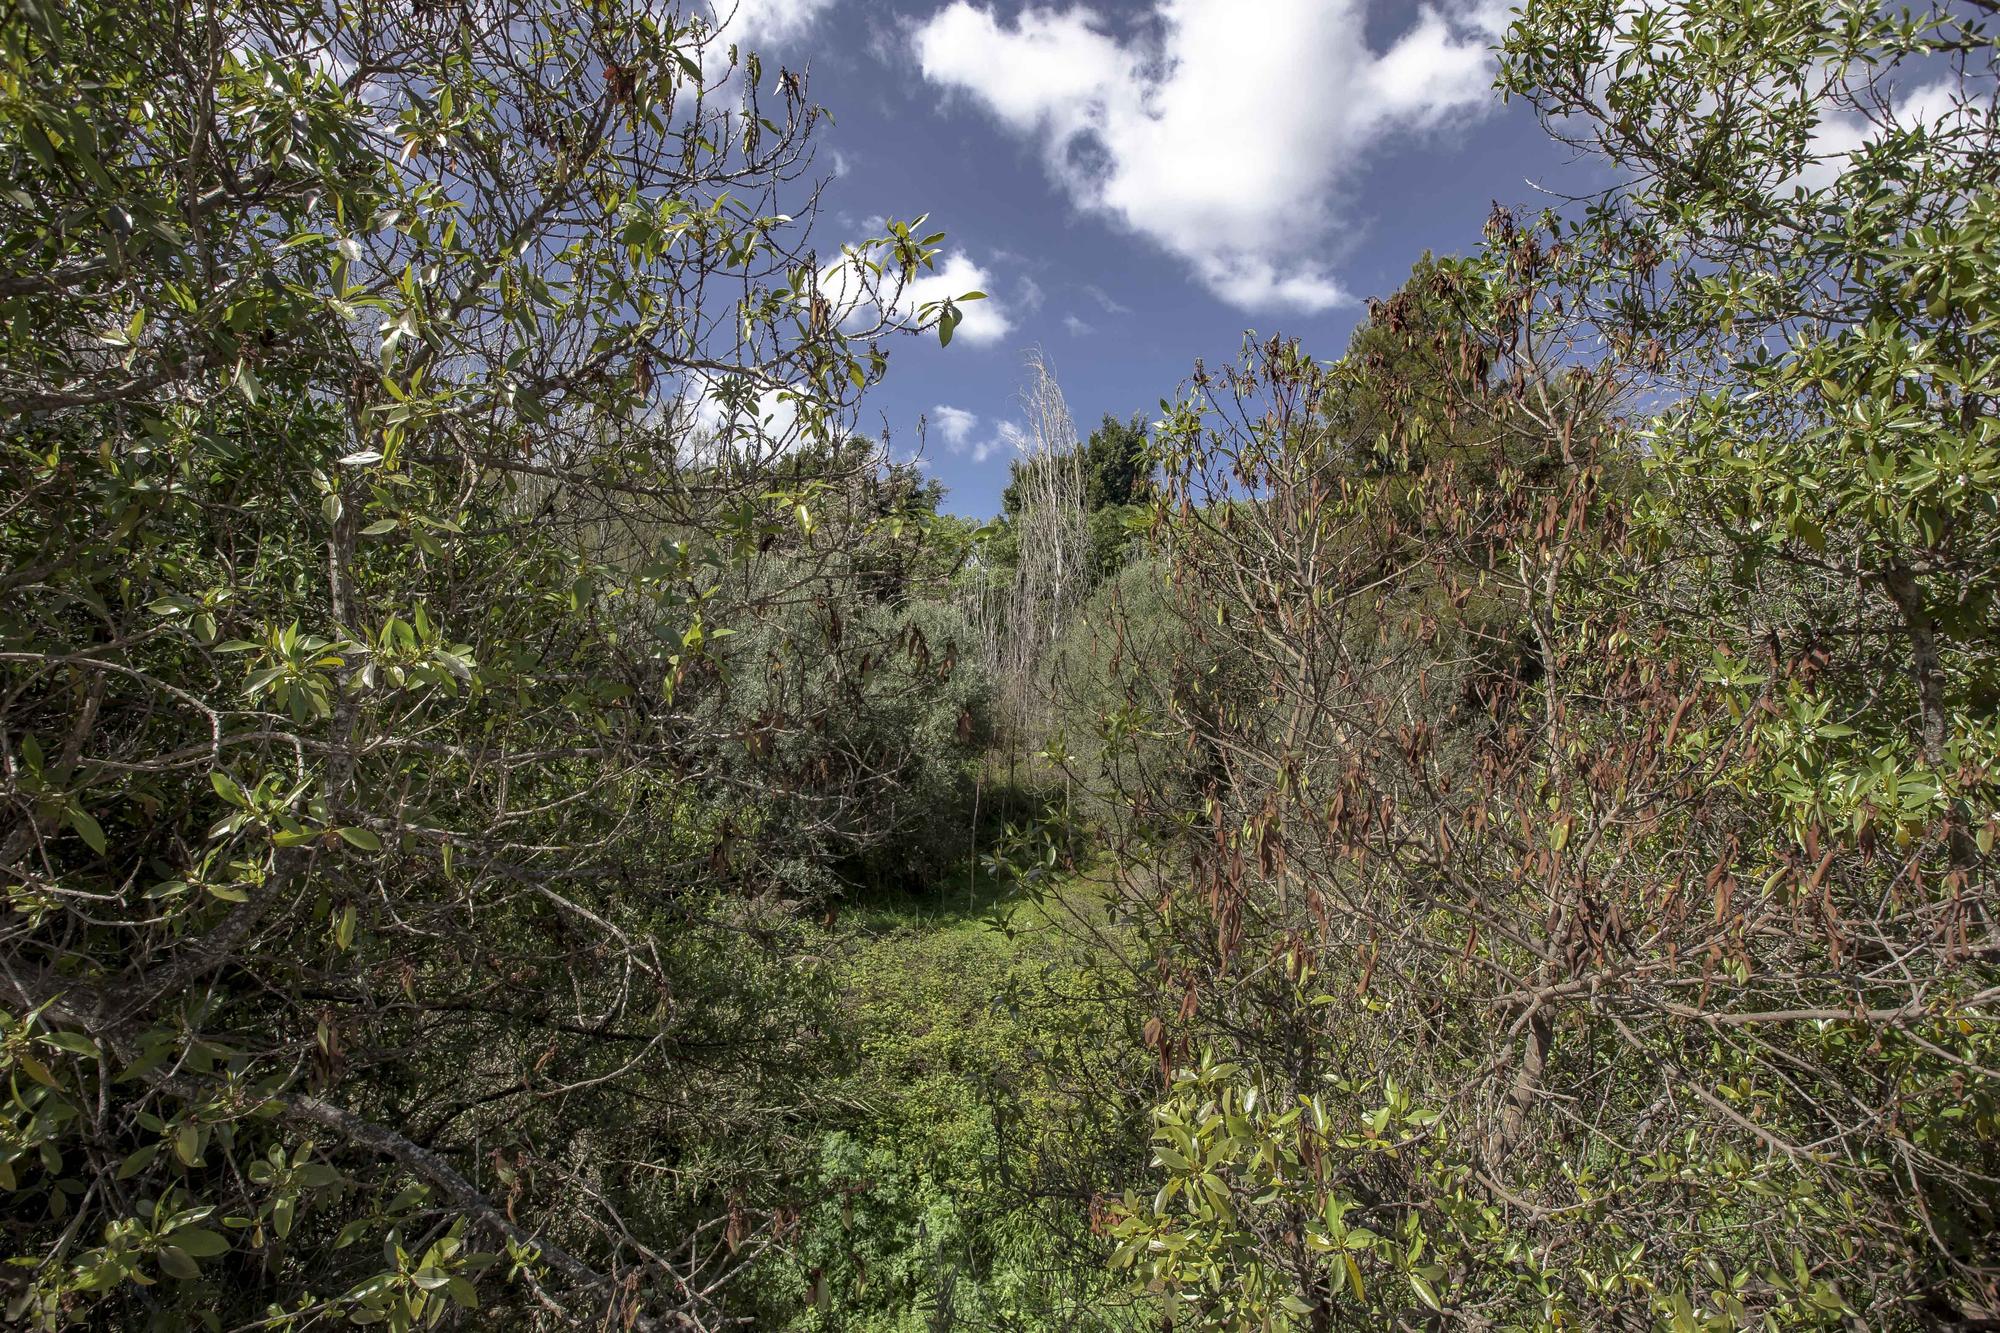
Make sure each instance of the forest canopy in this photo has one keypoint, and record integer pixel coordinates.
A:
(516, 813)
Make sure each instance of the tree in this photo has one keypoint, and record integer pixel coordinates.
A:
(1338, 917)
(1650, 982)
(1048, 550)
(842, 731)
(1818, 301)
(366, 929)
(1117, 465)
(1115, 462)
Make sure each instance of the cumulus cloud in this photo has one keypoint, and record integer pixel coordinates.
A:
(1008, 438)
(955, 424)
(1224, 133)
(1078, 328)
(985, 321)
(1839, 135)
(858, 295)
(1847, 116)
(759, 21)
(960, 431)
(731, 419)
(767, 27)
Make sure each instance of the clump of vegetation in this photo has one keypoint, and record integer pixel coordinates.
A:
(513, 815)
(945, 1196)
(1591, 922)
(379, 939)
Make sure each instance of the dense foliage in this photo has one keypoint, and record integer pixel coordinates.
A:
(1592, 917)
(380, 938)
(512, 815)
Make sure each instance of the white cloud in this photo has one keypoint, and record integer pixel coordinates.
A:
(1847, 115)
(754, 25)
(1112, 306)
(759, 21)
(985, 321)
(1008, 438)
(1030, 297)
(1249, 282)
(732, 420)
(859, 295)
(955, 424)
(1434, 70)
(1221, 137)
(1840, 134)
(958, 428)
(1078, 328)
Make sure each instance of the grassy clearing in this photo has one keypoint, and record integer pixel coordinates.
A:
(942, 1203)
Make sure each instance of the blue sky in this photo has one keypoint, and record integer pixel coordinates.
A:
(1139, 184)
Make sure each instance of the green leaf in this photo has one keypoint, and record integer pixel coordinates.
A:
(199, 1242)
(176, 1263)
(138, 1161)
(371, 1286)
(87, 828)
(366, 839)
(225, 787)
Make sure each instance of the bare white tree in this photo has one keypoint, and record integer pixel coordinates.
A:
(1053, 543)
